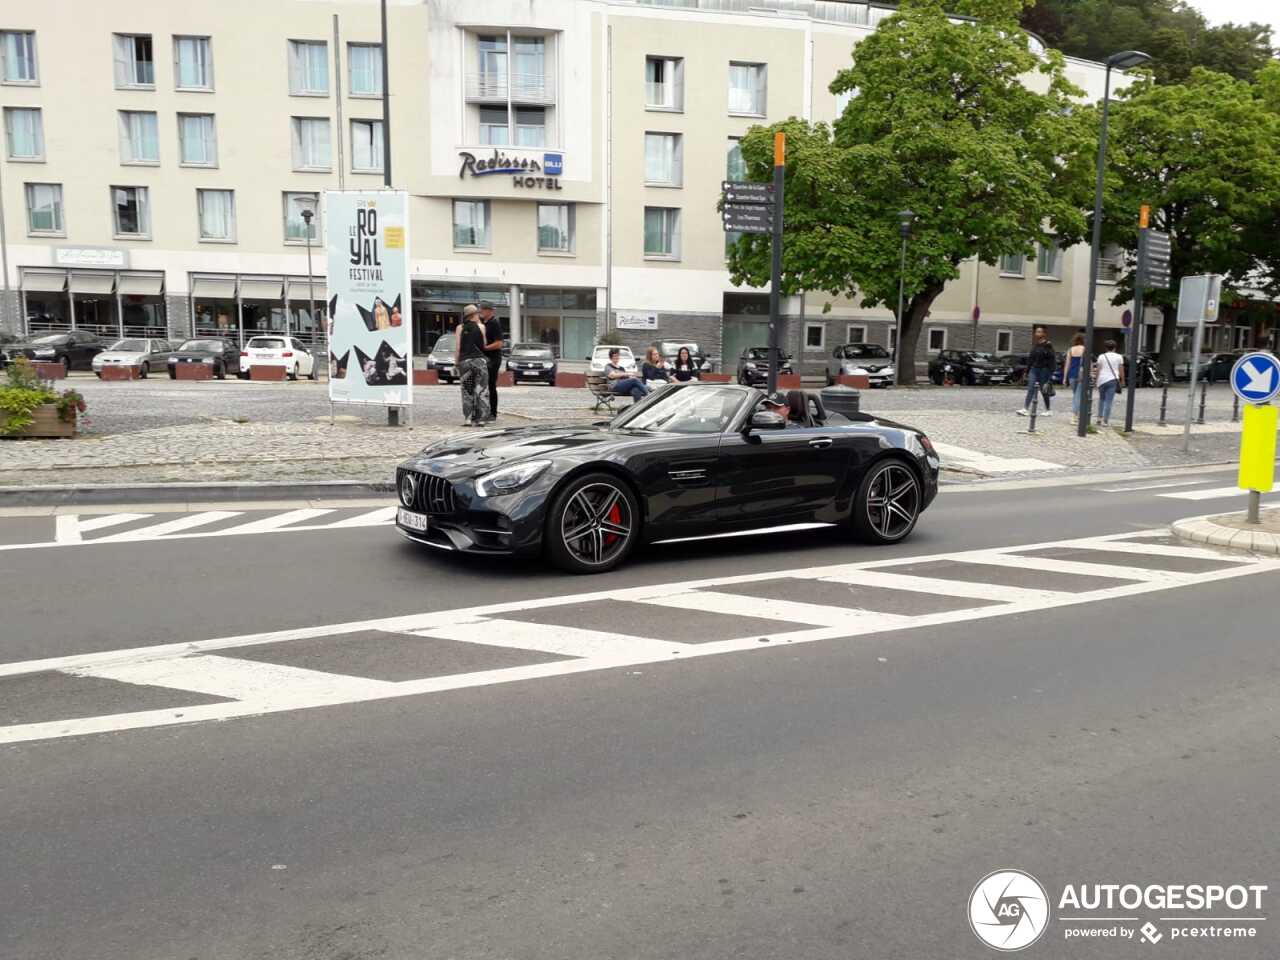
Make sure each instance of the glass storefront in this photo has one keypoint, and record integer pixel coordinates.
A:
(437, 308)
(112, 304)
(240, 307)
(564, 319)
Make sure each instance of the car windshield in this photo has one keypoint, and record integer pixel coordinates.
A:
(200, 345)
(696, 409)
(51, 338)
(971, 355)
(130, 346)
(531, 350)
(669, 348)
(266, 343)
(445, 346)
(866, 351)
(756, 353)
(602, 353)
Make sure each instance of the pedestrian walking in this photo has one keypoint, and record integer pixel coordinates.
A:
(1108, 371)
(1075, 357)
(473, 368)
(493, 353)
(1041, 364)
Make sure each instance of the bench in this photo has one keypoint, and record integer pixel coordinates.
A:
(602, 390)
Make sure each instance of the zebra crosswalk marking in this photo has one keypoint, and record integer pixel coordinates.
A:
(179, 525)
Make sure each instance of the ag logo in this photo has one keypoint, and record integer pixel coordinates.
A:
(1008, 910)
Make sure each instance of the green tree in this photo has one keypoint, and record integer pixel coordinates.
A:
(1205, 156)
(943, 124)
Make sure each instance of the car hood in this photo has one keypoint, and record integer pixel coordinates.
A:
(195, 353)
(122, 355)
(470, 454)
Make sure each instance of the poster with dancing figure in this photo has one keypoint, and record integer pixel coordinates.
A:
(370, 314)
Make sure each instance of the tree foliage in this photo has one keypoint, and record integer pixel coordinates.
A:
(943, 124)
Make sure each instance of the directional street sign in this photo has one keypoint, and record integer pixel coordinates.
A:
(1158, 249)
(1255, 378)
(740, 192)
(748, 218)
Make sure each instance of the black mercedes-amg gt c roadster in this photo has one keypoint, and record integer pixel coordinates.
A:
(690, 460)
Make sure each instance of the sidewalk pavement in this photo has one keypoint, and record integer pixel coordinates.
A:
(1233, 530)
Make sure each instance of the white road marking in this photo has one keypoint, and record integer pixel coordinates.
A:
(1151, 486)
(1077, 568)
(371, 519)
(736, 605)
(88, 524)
(1216, 493)
(169, 526)
(264, 688)
(272, 523)
(989, 463)
(66, 530)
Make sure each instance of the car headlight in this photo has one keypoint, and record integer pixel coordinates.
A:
(431, 358)
(748, 366)
(509, 479)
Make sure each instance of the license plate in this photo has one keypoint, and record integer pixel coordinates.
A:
(997, 379)
(414, 521)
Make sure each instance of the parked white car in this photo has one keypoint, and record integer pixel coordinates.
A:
(146, 354)
(278, 350)
(600, 356)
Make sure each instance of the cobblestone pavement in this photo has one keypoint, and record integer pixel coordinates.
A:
(160, 431)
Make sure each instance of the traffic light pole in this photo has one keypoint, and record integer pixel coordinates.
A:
(775, 278)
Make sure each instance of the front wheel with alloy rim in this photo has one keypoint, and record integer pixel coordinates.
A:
(888, 503)
(145, 371)
(593, 524)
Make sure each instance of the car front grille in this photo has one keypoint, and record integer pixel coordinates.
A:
(431, 494)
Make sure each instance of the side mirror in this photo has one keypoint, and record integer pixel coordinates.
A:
(764, 420)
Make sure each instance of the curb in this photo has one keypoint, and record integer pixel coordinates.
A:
(1204, 530)
(175, 493)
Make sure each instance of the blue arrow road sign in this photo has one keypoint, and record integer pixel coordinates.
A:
(1256, 377)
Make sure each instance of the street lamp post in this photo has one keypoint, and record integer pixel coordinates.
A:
(307, 214)
(1123, 60)
(905, 219)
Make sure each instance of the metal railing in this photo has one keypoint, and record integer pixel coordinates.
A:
(488, 87)
(1108, 270)
(664, 95)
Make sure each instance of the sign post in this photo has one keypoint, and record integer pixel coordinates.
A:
(1153, 271)
(775, 277)
(1255, 379)
(1198, 304)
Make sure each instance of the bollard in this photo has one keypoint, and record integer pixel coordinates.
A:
(1164, 405)
(1204, 389)
(1235, 407)
(1035, 404)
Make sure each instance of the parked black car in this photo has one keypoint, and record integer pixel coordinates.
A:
(222, 355)
(670, 349)
(1017, 364)
(532, 361)
(1218, 367)
(968, 367)
(753, 366)
(676, 464)
(75, 349)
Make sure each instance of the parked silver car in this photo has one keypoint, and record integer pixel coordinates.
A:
(145, 353)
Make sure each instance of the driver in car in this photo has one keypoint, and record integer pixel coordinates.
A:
(786, 406)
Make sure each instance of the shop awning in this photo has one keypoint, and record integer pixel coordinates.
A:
(300, 291)
(44, 282)
(214, 288)
(93, 283)
(140, 284)
(260, 289)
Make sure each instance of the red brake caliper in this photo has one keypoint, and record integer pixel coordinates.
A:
(615, 516)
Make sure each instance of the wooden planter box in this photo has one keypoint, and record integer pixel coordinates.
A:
(859, 381)
(505, 379)
(262, 372)
(45, 423)
(194, 371)
(49, 371)
(118, 371)
(425, 378)
(574, 381)
(788, 381)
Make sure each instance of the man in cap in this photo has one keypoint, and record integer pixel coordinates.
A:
(493, 353)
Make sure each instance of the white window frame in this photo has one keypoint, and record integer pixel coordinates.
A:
(212, 141)
(200, 193)
(296, 125)
(517, 126)
(762, 88)
(676, 66)
(929, 339)
(821, 345)
(128, 155)
(1057, 262)
(488, 226)
(9, 114)
(297, 75)
(674, 213)
(351, 73)
(1112, 256)
(677, 160)
(178, 39)
(848, 333)
(288, 198)
(570, 230)
(1007, 337)
(60, 230)
(376, 141)
(505, 126)
(125, 70)
(143, 196)
(1005, 271)
(4, 59)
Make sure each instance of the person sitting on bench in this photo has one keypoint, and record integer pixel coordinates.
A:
(624, 383)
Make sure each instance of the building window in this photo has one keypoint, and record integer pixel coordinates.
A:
(493, 64)
(1004, 341)
(366, 146)
(471, 224)
(664, 83)
(1012, 264)
(131, 212)
(135, 64)
(662, 233)
(197, 140)
(139, 137)
(311, 144)
(815, 336)
(530, 67)
(18, 56)
(1049, 262)
(308, 68)
(555, 228)
(735, 167)
(856, 333)
(937, 338)
(1111, 263)
(494, 130)
(1150, 338)
(663, 159)
(216, 210)
(365, 60)
(295, 227)
(44, 209)
(747, 89)
(24, 133)
(531, 127)
(192, 63)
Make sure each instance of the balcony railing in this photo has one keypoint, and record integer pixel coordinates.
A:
(522, 88)
(664, 96)
(1108, 270)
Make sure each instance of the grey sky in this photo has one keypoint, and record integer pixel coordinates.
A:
(1241, 11)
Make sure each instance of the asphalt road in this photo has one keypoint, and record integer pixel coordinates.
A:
(833, 796)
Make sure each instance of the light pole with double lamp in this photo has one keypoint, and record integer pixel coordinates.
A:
(1123, 60)
(905, 219)
(307, 214)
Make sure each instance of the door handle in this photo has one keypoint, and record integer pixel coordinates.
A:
(821, 443)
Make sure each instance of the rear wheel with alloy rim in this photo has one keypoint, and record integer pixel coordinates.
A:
(888, 503)
(146, 370)
(592, 525)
